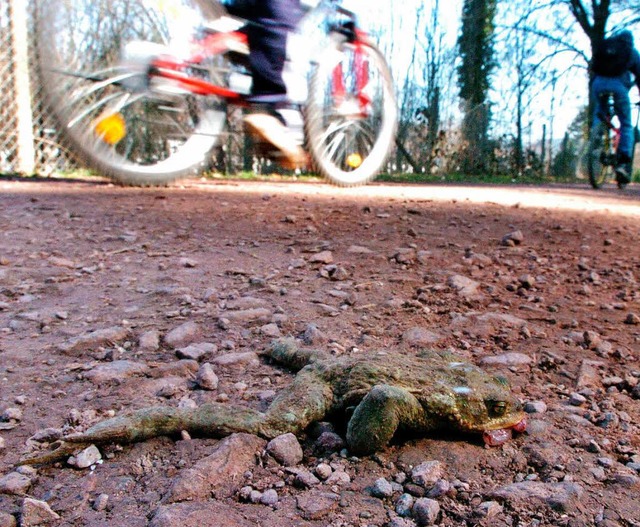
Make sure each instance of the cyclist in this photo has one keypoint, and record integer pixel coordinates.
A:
(613, 63)
(272, 21)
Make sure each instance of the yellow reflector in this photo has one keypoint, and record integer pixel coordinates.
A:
(111, 128)
(354, 160)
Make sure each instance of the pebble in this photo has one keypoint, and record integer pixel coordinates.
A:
(88, 457)
(404, 505)
(36, 513)
(426, 511)
(329, 442)
(255, 496)
(401, 522)
(605, 462)
(269, 497)
(7, 520)
(285, 449)
(182, 335)
(207, 378)
(196, 351)
(441, 487)
(149, 341)
(304, 478)
(535, 407)
(427, 473)
(323, 471)
(315, 505)
(11, 414)
(575, 399)
(489, 509)
(15, 484)
(101, 502)
(382, 489)
(339, 477)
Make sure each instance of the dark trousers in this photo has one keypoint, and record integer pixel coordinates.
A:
(268, 45)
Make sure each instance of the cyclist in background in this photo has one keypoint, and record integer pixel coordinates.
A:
(273, 20)
(613, 63)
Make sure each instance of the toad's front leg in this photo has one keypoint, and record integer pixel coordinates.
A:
(383, 411)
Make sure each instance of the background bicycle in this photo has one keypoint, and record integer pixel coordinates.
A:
(603, 145)
(144, 89)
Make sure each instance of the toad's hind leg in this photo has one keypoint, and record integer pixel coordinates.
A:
(306, 400)
(379, 415)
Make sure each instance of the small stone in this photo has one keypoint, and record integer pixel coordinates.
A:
(182, 335)
(196, 351)
(425, 511)
(404, 505)
(7, 520)
(441, 487)
(489, 509)
(512, 238)
(339, 477)
(149, 341)
(88, 457)
(329, 442)
(255, 496)
(323, 257)
(315, 505)
(101, 502)
(285, 449)
(11, 414)
(632, 319)
(323, 471)
(207, 378)
(304, 478)
(269, 498)
(382, 489)
(535, 407)
(35, 513)
(605, 462)
(575, 399)
(427, 473)
(15, 483)
(271, 330)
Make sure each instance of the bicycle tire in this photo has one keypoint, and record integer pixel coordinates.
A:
(114, 117)
(600, 157)
(347, 148)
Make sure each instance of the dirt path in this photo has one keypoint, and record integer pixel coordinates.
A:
(105, 291)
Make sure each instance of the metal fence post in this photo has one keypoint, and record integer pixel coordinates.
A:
(20, 43)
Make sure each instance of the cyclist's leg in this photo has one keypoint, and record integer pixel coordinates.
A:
(267, 54)
(622, 106)
(268, 43)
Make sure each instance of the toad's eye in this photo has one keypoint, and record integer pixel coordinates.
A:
(497, 408)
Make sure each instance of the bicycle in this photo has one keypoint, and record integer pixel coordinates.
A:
(603, 145)
(142, 89)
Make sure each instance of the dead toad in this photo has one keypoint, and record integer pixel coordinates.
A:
(382, 393)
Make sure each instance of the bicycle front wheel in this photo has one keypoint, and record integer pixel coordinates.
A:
(601, 157)
(351, 115)
(93, 58)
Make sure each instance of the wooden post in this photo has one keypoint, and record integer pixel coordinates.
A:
(22, 87)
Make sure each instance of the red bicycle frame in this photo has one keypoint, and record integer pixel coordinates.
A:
(213, 44)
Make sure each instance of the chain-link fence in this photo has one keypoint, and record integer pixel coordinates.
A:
(28, 140)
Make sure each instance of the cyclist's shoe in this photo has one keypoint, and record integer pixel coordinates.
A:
(623, 175)
(268, 127)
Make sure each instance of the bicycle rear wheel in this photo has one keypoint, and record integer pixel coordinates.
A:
(351, 127)
(130, 127)
(601, 157)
